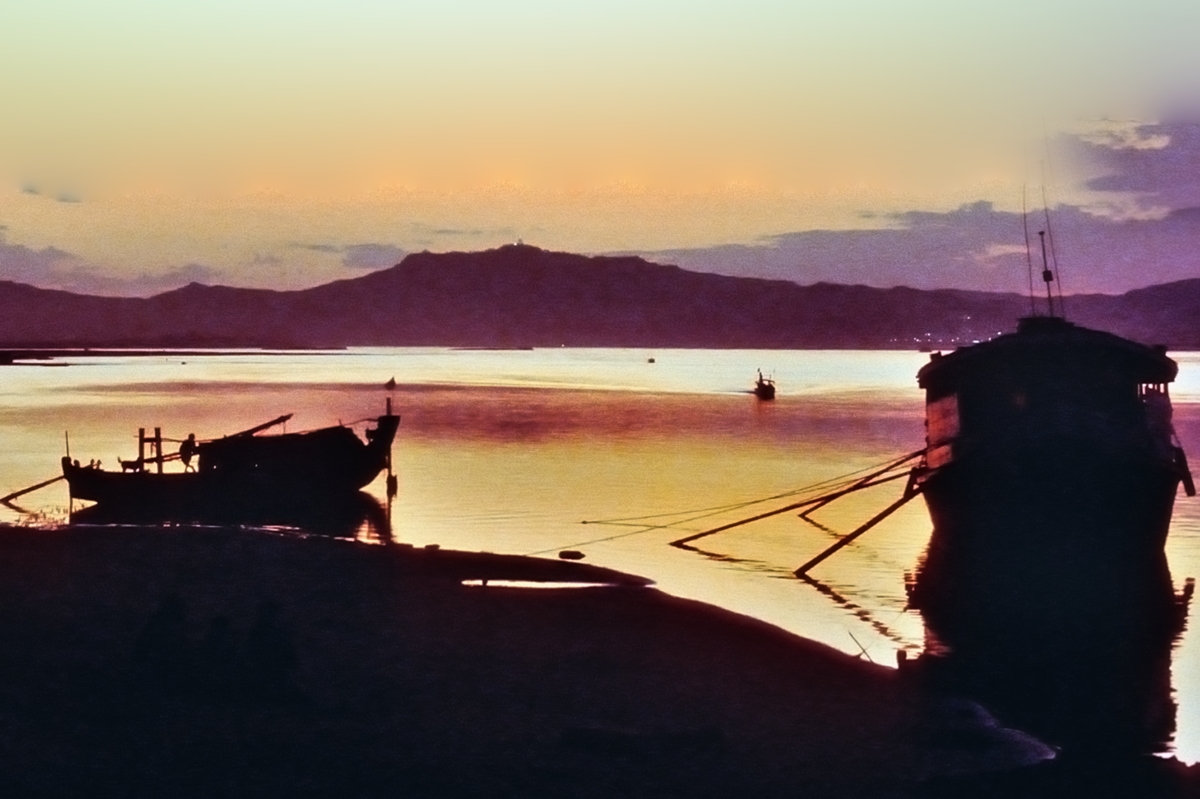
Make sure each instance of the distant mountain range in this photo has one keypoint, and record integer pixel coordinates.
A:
(522, 296)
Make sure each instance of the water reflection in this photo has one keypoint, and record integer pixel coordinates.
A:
(1082, 662)
(681, 434)
(858, 610)
(358, 515)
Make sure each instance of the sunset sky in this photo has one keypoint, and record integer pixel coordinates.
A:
(261, 143)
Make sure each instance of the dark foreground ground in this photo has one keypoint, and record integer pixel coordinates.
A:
(227, 663)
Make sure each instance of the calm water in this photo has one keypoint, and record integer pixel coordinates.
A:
(510, 451)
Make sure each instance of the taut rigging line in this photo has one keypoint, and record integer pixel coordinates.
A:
(873, 479)
(846, 483)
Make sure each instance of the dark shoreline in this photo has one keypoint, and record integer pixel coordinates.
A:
(401, 680)
(17, 356)
(14, 356)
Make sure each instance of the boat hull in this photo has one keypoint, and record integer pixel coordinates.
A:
(1050, 473)
(1046, 592)
(341, 516)
(246, 475)
(1030, 532)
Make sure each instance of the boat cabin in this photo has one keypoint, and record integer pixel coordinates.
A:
(1051, 380)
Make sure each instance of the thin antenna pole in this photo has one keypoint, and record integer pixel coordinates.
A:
(1047, 275)
(1028, 255)
(1050, 235)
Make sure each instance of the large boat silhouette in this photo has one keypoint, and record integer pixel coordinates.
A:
(1050, 459)
(242, 474)
(1050, 473)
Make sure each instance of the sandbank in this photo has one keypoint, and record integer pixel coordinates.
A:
(202, 662)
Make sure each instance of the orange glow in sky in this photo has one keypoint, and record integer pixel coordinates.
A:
(259, 142)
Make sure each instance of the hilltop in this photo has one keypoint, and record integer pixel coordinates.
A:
(518, 295)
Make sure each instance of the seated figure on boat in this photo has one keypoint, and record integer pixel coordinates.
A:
(187, 451)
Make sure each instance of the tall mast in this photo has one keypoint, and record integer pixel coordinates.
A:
(1028, 255)
(1062, 305)
(1047, 275)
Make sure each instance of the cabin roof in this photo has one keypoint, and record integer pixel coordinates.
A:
(1040, 339)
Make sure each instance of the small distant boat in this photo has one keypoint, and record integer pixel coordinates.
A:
(764, 387)
(241, 472)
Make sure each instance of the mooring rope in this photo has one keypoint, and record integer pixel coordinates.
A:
(696, 514)
(832, 482)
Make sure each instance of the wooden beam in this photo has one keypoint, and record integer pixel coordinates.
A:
(261, 427)
(25, 491)
(834, 495)
(910, 491)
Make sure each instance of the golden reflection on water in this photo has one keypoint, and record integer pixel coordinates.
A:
(518, 467)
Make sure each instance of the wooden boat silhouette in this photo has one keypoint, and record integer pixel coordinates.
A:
(242, 473)
(764, 387)
(1051, 464)
(1050, 474)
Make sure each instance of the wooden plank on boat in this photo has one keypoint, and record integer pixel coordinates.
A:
(25, 491)
(261, 427)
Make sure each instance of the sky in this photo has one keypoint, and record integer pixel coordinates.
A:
(145, 145)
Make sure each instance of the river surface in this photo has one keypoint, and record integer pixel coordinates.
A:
(513, 451)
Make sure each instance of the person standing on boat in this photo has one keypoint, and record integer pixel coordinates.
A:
(186, 450)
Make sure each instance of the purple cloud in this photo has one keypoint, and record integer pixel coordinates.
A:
(87, 281)
(25, 265)
(53, 268)
(1158, 163)
(371, 256)
(1150, 169)
(362, 256)
(974, 247)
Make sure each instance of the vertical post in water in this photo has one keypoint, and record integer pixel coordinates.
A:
(158, 458)
(391, 477)
(392, 487)
(70, 493)
(391, 482)
(141, 446)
